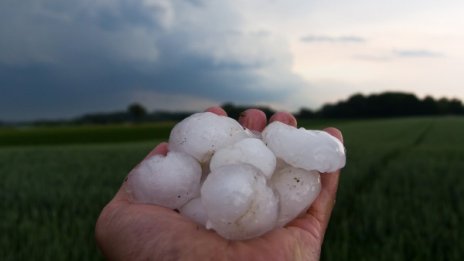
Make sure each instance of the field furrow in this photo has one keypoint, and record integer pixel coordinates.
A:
(402, 212)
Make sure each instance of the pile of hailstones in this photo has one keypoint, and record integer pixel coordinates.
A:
(240, 183)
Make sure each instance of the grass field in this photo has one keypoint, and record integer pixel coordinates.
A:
(399, 196)
(86, 134)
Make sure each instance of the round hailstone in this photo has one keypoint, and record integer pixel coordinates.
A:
(306, 149)
(238, 202)
(169, 181)
(251, 151)
(201, 134)
(194, 210)
(297, 189)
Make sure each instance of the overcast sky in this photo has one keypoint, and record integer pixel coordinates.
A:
(64, 58)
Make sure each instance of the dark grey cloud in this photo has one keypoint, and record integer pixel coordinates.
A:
(332, 39)
(59, 59)
(417, 53)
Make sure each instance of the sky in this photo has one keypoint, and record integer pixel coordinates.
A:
(61, 59)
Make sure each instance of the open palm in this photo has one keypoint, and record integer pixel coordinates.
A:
(131, 231)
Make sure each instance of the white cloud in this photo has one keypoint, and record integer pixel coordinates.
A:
(417, 53)
(332, 39)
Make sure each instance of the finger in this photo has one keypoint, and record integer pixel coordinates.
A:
(284, 117)
(253, 119)
(335, 132)
(217, 110)
(160, 149)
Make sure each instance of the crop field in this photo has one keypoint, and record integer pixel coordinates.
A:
(399, 196)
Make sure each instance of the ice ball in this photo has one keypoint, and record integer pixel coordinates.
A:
(238, 202)
(195, 211)
(169, 181)
(249, 151)
(297, 189)
(306, 149)
(201, 134)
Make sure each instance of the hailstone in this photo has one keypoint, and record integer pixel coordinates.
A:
(195, 210)
(169, 181)
(247, 151)
(297, 189)
(201, 134)
(238, 182)
(306, 149)
(238, 202)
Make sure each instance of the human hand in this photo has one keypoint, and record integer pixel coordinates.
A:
(127, 230)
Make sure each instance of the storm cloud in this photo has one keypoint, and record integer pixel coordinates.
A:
(64, 58)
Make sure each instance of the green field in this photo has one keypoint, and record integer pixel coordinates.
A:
(399, 196)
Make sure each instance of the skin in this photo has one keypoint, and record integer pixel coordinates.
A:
(131, 231)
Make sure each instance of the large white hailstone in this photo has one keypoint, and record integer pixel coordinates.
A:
(169, 181)
(195, 211)
(261, 217)
(251, 151)
(238, 202)
(201, 134)
(297, 189)
(306, 149)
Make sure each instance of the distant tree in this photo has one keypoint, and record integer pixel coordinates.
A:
(429, 106)
(232, 110)
(136, 111)
(305, 113)
(453, 106)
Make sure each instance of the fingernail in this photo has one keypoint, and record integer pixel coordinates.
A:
(217, 110)
(284, 118)
(253, 119)
(335, 132)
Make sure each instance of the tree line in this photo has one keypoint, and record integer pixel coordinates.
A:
(387, 104)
